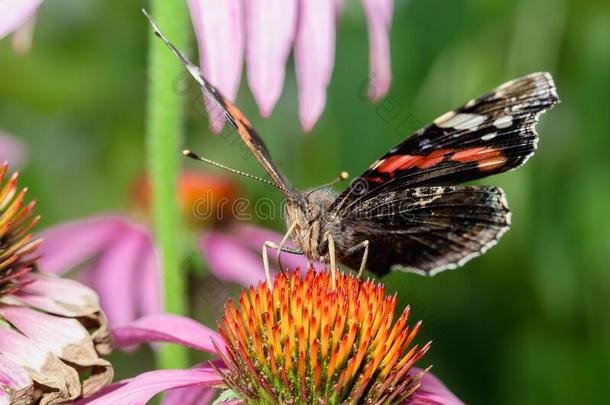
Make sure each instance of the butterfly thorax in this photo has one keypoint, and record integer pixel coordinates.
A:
(310, 212)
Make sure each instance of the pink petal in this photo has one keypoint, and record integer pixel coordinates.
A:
(50, 333)
(58, 296)
(73, 243)
(432, 391)
(13, 375)
(145, 386)
(230, 260)
(314, 57)
(150, 281)
(379, 16)
(15, 13)
(189, 396)
(20, 350)
(115, 276)
(270, 26)
(12, 150)
(339, 4)
(219, 29)
(66, 338)
(167, 328)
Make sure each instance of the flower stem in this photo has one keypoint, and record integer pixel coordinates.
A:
(164, 132)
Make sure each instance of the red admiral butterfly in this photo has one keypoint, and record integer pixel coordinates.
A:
(406, 210)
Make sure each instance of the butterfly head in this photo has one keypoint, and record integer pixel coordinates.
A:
(308, 211)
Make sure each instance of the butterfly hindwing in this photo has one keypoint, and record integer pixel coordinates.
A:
(427, 229)
(488, 135)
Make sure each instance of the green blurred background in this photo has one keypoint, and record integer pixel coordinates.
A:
(527, 323)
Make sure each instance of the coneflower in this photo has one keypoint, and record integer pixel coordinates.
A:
(17, 245)
(52, 331)
(303, 341)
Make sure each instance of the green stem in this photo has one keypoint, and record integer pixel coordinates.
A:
(164, 133)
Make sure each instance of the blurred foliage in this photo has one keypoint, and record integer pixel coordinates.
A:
(528, 322)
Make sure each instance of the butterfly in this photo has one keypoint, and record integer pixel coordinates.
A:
(409, 211)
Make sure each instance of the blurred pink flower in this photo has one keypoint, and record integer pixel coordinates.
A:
(276, 345)
(52, 331)
(118, 259)
(18, 17)
(267, 30)
(12, 150)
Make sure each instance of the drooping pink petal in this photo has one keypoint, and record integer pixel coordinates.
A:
(339, 4)
(230, 259)
(66, 338)
(379, 17)
(49, 332)
(58, 296)
(150, 296)
(13, 375)
(145, 386)
(189, 396)
(167, 328)
(115, 276)
(220, 37)
(12, 150)
(270, 30)
(314, 57)
(71, 244)
(15, 13)
(432, 391)
(44, 367)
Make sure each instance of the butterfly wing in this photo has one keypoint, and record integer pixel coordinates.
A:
(427, 229)
(488, 135)
(233, 115)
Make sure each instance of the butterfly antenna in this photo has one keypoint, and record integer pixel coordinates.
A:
(191, 68)
(342, 177)
(192, 155)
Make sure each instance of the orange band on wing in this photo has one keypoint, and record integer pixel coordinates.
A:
(405, 162)
(486, 158)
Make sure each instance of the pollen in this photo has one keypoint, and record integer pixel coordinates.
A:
(303, 341)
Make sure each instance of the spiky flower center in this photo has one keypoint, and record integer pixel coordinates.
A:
(306, 342)
(16, 243)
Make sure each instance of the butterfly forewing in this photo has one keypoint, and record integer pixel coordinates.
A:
(233, 115)
(488, 135)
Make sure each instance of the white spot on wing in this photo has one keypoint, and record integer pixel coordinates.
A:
(444, 118)
(504, 121)
(462, 121)
(489, 136)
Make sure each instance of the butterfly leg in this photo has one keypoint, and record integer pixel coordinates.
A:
(331, 253)
(266, 245)
(280, 249)
(362, 245)
(271, 245)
